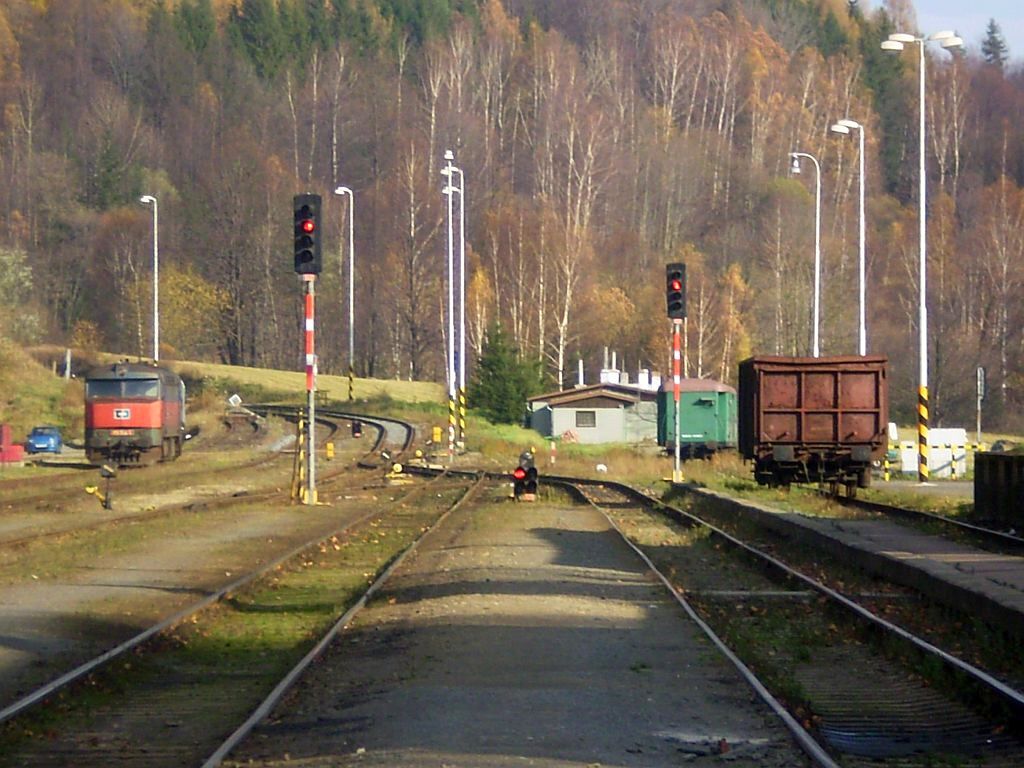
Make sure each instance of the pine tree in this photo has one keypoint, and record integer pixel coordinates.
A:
(196, 24)
(502, 380)
(993, 47)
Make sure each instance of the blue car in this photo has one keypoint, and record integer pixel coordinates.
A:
(44, 440)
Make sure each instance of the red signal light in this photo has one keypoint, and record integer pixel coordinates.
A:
(307, 225)
(519, 473)
(677, 285)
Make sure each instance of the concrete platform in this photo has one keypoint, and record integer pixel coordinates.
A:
(984, 584)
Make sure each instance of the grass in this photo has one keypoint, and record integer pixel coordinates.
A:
(31, 394)
(331, 387)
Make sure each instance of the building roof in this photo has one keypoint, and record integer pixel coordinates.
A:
(697, 385)
(621, 392)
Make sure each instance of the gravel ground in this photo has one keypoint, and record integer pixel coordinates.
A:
(521, 635)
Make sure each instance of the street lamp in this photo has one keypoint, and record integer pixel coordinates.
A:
(457, 304)
(896, 42)
(449, 190)
(817, 239)
(150, 200)
(844, 126)
(461, 303)
(351, 285)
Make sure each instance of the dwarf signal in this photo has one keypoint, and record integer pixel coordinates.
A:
(524, 478)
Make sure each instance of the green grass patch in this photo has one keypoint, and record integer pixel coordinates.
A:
(31, 394)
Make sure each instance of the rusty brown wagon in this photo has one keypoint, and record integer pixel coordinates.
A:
(813, 419)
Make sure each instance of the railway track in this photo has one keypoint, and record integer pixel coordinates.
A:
(338, 481)
(142, 726)
(394, 433)
(869, 706)
(810, 647)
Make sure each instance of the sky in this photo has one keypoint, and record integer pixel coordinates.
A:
(969, 20)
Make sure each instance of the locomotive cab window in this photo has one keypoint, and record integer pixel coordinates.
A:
(139, 388)
(142, 388)
(103, 388)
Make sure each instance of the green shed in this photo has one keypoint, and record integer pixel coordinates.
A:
(707, 416)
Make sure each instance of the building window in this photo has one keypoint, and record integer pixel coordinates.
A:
(586, 418)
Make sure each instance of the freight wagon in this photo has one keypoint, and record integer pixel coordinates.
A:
(813, 419)
(707, 417)
(134, 413)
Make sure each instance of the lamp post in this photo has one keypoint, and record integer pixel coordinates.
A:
(896, 43)
(817, 241)
(457, 302)
(844, 126)
(449, 190)
(150, 200)
(351, 285)
(461, 307)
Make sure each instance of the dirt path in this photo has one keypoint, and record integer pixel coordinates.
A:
(521, 635)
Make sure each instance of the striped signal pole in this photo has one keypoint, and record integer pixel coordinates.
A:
(310, 498)
(677, 474)
(922, 433)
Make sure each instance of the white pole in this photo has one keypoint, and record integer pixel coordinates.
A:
(448, 190)
(863, 268)
(346, 191)
(896, 41)
(922, 330)
(817, 259)
(150, 200)
(815, 345)
(462, 279)
(844, 127)
(462, 307)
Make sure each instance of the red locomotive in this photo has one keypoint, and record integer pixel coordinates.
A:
(134, 413)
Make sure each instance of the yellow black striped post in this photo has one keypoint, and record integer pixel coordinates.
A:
(462, 418)
(451, 425)
(299, 465)
(351, 382)
(922, 434)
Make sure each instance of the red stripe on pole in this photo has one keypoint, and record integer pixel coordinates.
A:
(309, 342)
(675, 361)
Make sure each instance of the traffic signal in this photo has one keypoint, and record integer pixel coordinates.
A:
(675, 290)
(308, 260)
